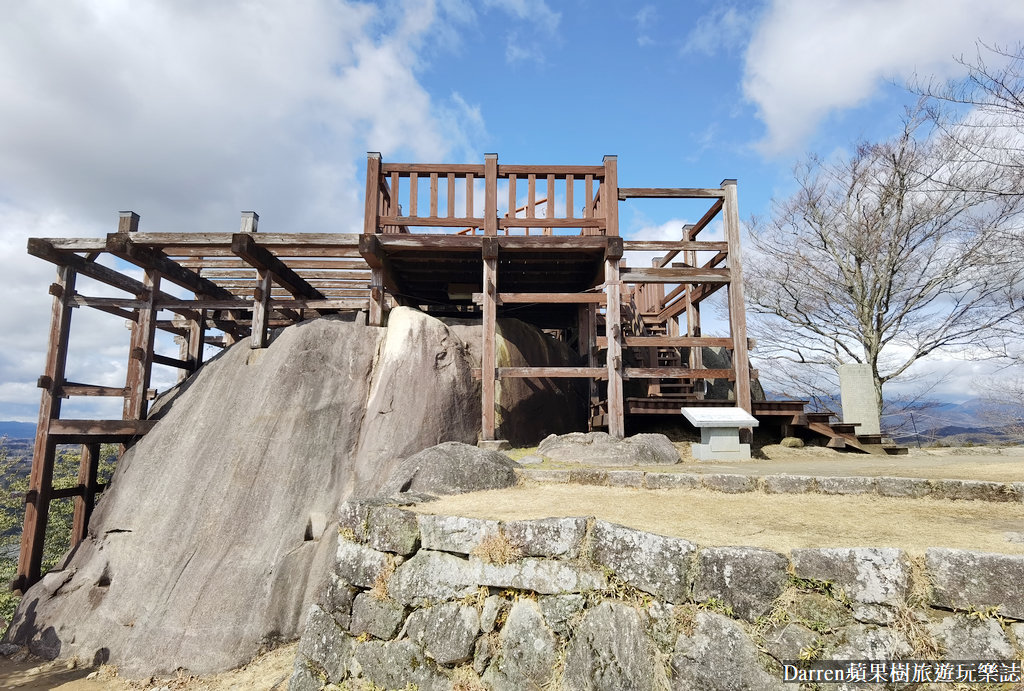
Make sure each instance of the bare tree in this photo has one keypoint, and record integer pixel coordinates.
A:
(982, 114)
(982, 117)
(885, 257)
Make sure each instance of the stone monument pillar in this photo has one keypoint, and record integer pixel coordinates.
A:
(857, 391)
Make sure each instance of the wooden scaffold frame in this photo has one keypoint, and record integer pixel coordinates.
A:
(555, 259)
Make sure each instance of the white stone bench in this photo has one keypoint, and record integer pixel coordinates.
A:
(720, 433)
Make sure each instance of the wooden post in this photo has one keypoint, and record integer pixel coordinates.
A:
(140, 359)
(250, 222)
(737, 311)
(587, 345)
(491, 195)
(610, 196)
(197, 341)
(261, 295)
(371, 215)
(613, 331)
(40, 484)
(489, 327)
(128, 222)
(489, 249)
(260, 309)
(87, 482)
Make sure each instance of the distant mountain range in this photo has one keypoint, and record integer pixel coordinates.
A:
(17, 430)
(975, 420)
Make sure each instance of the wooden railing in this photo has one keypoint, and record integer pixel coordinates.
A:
(526, 199)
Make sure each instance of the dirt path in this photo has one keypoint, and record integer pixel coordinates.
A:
(978, 463)
(268, 672)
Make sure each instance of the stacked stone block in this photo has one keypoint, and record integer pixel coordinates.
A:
(453, 603)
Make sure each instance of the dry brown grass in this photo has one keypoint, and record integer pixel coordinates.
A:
(497, 549)
(775, 521)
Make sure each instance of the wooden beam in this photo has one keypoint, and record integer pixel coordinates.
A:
(674, 245)
(247, 248)
(708, 216)
(75, 389)
(171, 362)
(43, 249)
(553, 372)
(326, 304)
(677, 373)
(675, 275)
(672, 342)
(122, 246)
(560, 298)
(669, 193)
(534, 222)
(89, 431)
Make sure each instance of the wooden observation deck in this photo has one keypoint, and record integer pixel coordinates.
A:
(537, 242)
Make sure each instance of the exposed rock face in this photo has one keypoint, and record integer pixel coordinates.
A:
(529, 409)
(216, 531)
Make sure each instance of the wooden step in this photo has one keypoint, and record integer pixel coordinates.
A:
(824, 416)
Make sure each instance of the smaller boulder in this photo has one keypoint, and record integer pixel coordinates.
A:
(600, 448)
(452, 468)
(792, 442)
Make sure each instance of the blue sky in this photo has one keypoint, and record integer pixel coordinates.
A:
(190, 112)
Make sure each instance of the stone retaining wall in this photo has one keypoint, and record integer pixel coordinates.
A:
(444, 602)
(787, 484)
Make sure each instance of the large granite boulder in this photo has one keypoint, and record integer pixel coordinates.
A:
(211, 540)
(602, 449)
(529, 409)
(452, 468)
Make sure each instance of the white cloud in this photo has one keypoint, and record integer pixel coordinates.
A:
(722, 29)
(188, 113)
(809, 58)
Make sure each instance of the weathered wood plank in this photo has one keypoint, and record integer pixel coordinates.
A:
(677, 373)
(674, 245)
(675, 275)
(327, 304)
(371, 204)
(121, 245)
(613, 331)
(533, 222)
(87, 431)
(76, 389)
(553, 372)
(564, 298)
(488, 357)
(672, 342)
(557, 171)
(737, 309)
(459, 169)
(440, 222)
(708, 216)
(248, 249)
(669, 193)
(171, 362)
